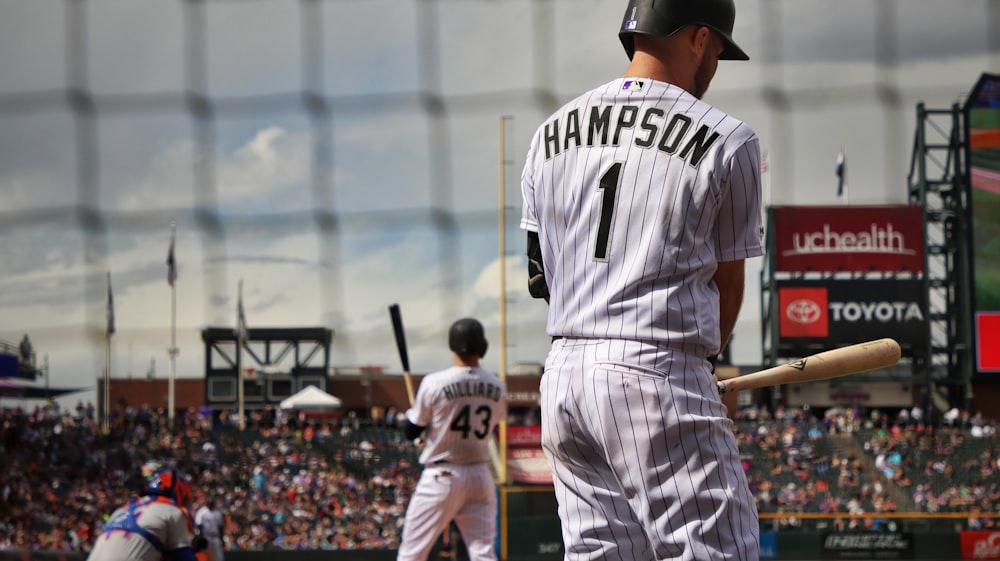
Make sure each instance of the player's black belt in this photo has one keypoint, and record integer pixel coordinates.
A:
(556, 338)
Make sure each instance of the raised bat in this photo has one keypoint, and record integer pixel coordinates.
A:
(397, 330)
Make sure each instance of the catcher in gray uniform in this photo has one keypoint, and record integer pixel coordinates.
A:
(156, 526)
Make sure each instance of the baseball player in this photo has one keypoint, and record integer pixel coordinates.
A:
(211, 525)
(156, 526)
(641, 203)
(456, 411)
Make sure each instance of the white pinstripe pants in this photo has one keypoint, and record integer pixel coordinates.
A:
(446, 492)
(644, 460)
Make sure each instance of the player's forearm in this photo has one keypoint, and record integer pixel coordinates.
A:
(729, 278)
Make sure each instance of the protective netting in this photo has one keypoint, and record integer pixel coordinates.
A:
(341, 155)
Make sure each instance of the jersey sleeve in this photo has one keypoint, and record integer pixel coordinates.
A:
(529, 217)
(740, 228)
(420, 412)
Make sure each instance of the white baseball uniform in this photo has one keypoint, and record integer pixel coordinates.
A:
(637, 190)
(146, 529)
(211, 524)
(460, 408)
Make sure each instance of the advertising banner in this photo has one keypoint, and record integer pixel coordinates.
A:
(836, 311)
(768, 545)
(526, 462)
(867, 545)
(980, 544)
(987, 331)
(848, 392)
(848, 238)
(8, 365)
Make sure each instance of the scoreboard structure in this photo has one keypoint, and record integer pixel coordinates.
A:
(982, 148)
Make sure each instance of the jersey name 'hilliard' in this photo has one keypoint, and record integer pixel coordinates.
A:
(471, 388)
(602, 125)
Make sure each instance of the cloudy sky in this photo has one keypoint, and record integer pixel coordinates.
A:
(337, 156)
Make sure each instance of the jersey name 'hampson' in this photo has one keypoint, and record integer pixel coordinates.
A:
(471, 389)
(670, 134)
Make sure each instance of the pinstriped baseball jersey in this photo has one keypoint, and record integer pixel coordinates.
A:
(637, 189)
(461, 407)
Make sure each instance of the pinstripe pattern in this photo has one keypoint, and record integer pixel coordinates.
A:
(674, 220)
(644, 461)
(637, 191)
(460, 408)
(463, 493)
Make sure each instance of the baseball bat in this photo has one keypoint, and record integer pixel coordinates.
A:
(820, 366)
(397, 330)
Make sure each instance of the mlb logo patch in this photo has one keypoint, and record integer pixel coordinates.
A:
(632, 85)
(630, 25)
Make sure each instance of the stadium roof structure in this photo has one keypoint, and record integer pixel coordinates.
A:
(16, 389)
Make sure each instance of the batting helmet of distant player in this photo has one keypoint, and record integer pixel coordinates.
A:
(467, 336)
(663, 18)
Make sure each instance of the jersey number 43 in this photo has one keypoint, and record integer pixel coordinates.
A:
(464, 420)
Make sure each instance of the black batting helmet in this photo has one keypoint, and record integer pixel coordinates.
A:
(663, 18)
(467, 336)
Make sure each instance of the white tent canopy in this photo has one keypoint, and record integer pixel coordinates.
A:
(311, 398)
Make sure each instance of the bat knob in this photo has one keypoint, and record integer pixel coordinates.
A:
(721, 386)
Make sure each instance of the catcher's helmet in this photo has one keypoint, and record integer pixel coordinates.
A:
(171, 484)
(467, 336)
(663, 18)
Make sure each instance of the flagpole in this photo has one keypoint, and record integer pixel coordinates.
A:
(847, 191)
(842, 176)
(106, 398)
(239, 353)
(172, 351)
(107, 383)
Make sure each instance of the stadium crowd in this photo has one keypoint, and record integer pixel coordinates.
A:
(279, 486)
(285, 484)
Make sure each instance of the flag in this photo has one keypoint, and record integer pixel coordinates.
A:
(841, 172)
(241, 319)
(171, 264)
(111, 309)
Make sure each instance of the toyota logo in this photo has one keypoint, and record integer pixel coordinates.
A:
(802, 311)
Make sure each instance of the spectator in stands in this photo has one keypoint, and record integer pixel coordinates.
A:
(26, 351)
(353, 495)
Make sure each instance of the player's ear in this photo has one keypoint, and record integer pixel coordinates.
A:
(700, 40)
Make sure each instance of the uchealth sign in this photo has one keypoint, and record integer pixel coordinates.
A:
(980, 544)
(848, 238)
(841, 311)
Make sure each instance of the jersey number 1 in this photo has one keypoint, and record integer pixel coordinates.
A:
(608, 187)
